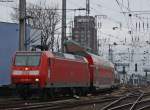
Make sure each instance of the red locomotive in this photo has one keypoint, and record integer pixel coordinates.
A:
(61, 72)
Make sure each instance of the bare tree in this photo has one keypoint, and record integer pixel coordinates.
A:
(46, 19)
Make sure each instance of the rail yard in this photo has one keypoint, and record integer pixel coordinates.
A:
(125, 98)
(74, 55)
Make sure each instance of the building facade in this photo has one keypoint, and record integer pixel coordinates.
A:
(84, 32)
(9, 43)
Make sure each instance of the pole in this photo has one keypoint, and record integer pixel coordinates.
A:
(63, 38)
(146, 76)
(22, 24)
(87, 7)
(87, 27)
(110, 53)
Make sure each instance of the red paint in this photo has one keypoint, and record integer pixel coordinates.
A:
(65, 71)
(62, 71)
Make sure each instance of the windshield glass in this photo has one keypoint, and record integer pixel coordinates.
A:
(27, 60)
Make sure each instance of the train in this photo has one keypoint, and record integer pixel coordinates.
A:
(54, 73)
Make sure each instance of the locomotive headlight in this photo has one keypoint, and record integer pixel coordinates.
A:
(36, 80)
(26, 68)
(36, 72)
(17, 72)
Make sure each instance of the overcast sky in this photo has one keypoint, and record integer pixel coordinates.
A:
(110, 8)
(115, 18)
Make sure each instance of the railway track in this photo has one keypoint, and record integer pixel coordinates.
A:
(132, 99)
(17, 103)
(59, 104)
(13, 103)
(139, 101)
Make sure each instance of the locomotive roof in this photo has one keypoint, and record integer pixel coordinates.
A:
(98, 60)
(53, 54)
(69, 56)
(66, 56)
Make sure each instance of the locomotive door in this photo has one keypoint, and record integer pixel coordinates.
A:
(49, 69)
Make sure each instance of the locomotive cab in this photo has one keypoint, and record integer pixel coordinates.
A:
(49, 72)
(26, 68)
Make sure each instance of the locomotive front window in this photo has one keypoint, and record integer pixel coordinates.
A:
(27, 60)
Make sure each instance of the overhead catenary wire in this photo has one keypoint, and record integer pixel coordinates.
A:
(100, 5)
(58, 9)
(108, 17)
(122, 11)
(141, 25)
